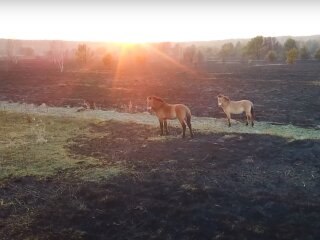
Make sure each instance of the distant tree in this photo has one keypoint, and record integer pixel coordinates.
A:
(164, 46)
(317, 55)
(271, 56)
(82, 53)
(107, 60)
(304, 53)
(209, 51)
(12, 49)
(270, 44)
(291, 50)
(177, 51)
(57, 53)
(100, 51)
(290, 44)
(238, 49)
(227, 50)
(292, 55)
(198, 59)
(254, 47)
(189, 53)
(312, 46)
(27, 51)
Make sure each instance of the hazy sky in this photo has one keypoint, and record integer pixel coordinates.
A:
(130, 21)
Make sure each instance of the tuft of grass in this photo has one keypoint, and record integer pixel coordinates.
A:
(209, 125)
(315, 83)
(101, 173)
(34, 145)
(188, 187)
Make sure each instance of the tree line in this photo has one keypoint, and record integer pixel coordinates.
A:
(270, 49)
(191, 54)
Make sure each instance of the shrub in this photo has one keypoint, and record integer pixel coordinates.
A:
(272, 56)
(292, 56)
(317, 55)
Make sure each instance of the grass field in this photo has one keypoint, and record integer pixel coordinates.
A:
(33, 145)
(35, 140)
(107, 174)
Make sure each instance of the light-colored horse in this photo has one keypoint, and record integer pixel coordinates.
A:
(236, 107)
(164, 111)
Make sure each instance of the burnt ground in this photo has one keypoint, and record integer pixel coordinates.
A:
(214, 186)
(284, 94)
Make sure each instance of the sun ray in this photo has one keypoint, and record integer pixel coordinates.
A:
(120, 62)
(168, 58)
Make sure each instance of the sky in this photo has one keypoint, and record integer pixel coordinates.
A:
(154, 21)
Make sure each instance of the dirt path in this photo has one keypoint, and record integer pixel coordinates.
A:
(200, 124)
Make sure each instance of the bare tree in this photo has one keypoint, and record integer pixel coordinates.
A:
(227, 50)
(82, 53)
(317, 55)
(12, 50)
(254, 47)
(189, 54)
(57, 53)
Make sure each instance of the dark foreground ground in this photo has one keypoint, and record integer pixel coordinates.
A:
(212, 187)
(215, 186)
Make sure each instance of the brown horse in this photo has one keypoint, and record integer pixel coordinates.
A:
(166, 111)
(236, 107)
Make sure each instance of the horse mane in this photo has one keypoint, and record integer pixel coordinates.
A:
(223, 96)
(226, 98)
(159, 99)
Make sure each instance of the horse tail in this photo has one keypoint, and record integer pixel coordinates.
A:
(252, 113)
(188, 116)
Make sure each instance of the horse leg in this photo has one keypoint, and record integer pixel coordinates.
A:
(183, 127)
(248, 117)
(161, 127)
(166, 127)
(252, 116)
(189, 126)
(229, 119)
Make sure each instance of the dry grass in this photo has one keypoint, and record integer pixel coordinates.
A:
(315, 83)
(33, 139)
(201, 124)
(33, 145)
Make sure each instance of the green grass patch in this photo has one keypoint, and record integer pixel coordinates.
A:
(33, 145)
(291, 132)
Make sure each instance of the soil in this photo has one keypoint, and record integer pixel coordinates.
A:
(215, 186)
(283, 94)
